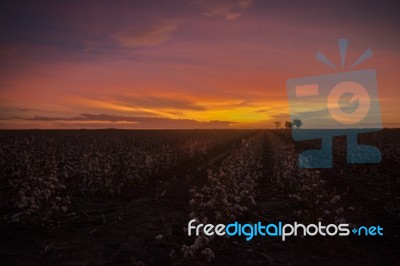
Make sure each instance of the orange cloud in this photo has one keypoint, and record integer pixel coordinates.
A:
(147, 36)
(229, 10)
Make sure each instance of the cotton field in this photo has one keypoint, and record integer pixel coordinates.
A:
(130, 195)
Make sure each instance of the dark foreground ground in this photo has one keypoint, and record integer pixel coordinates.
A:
(122, 230)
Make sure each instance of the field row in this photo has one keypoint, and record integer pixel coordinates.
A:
(41, 172)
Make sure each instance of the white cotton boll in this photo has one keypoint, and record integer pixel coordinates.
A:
(185, 249)
(200, 242)
(172, 253)
(208, 253)
(225, 201)
(15, 217)
(252, 200)
(192, 250)
(159, 237)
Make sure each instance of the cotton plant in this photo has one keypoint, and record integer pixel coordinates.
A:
(231, 188)
(230, 191)
(305, 187)
(44, 171)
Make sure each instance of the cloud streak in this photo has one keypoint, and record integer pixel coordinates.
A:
(134, 122)
(159, 103)
(147, 36)
(229, 10)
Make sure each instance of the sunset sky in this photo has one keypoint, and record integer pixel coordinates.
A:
(182, 63)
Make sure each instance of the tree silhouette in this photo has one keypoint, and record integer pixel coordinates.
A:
(278, 124)
(288, 125)
(297, 123)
